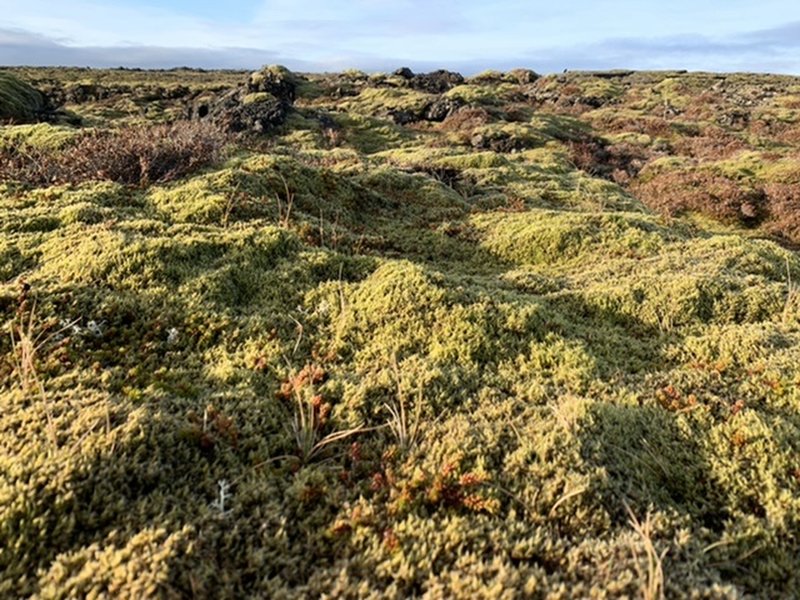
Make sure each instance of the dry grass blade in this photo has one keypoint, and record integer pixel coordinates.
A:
(565, 497)
(306, 427)
(652, 575)
(405, 431)
(792, 295)
(25, 347)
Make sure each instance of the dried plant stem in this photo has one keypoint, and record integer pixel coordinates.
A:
(652, 575)
(285, 206)
(405, 431)
(25, 345)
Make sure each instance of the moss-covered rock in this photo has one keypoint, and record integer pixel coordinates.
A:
(19, 101)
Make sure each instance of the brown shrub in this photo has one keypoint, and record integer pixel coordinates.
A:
(789, 135)
(783, 203)
(703, 106)
(466, 119)
(653, 126)
(135, 156)
(678, 192)
(713, 144)
(617, 162)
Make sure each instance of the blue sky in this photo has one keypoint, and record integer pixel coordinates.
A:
(318, 35)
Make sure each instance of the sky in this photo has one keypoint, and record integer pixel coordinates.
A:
(382, 35)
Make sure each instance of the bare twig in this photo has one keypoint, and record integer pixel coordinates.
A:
(285, 207)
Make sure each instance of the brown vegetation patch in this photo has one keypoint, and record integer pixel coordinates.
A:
(135, 156)
(714, 144)
(678, 192)
(616, 162)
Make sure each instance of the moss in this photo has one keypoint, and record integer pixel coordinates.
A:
(562, 347)
(369, 135)
(416, 156)
(602, 89)
(84, 212)
(554, 237)
(479, 94)
(272, 73)
(755, 166)
(384, 101)
(258, 97)
(41, 136)
(19, 101)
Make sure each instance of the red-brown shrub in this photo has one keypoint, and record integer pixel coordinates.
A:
(466, 119)
(617, 162)
(135, 156)
(677, 192)
(714, 144)
(783, 203)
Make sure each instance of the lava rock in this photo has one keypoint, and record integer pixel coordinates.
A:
(278, 81)
(403, 117)
(441, 108)
(522, 76)
(256, 113)
(437, 82)
(405, 73)
(259, 105)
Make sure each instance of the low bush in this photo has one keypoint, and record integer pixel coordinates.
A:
(679, 192)
(134, 156)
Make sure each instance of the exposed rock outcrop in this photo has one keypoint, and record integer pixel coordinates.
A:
(258, 105)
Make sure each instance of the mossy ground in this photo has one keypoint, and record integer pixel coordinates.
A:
(572, 356)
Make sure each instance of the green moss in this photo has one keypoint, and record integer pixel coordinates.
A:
(755, 166)
(573, 362)
(480, 94)
(19, 101)
(276, 73)
(383, 101)
(369, 135)
(41, 136)
(85, 212)
(258, 97)
(603, 89)
(554, 237)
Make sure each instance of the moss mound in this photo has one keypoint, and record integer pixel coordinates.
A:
(369, 357)
(19, 101)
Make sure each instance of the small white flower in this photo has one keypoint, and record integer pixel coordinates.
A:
(95, 328)
(71, 326)
(223, 495)
(172, 335)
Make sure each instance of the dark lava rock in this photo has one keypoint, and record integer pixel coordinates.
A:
(276, 80)
(257, 113)
(735, 119)
(258, 105)
(501, 142)
(436, 111)
(441, 108)
(405, 73)
(437, 82)
(403, 117)
(78, 93)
